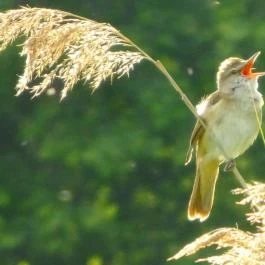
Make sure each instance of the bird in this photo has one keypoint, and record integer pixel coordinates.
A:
(232, 116)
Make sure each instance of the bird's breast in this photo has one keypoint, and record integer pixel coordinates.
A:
(233, 126)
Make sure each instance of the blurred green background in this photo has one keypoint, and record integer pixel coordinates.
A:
(99, 179)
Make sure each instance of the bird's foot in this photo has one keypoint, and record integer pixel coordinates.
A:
(230, 165)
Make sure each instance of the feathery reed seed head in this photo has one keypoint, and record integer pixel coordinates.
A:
(241, 247)
(60, 45)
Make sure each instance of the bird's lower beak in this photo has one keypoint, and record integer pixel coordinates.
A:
(247, 68)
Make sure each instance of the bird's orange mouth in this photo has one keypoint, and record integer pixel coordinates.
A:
(247, 69)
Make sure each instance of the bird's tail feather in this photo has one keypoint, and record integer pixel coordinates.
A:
(202, 196)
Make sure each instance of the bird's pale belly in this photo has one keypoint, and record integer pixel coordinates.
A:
(234, 132)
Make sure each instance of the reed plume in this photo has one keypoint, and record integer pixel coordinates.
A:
(240, 247)
(62, 46)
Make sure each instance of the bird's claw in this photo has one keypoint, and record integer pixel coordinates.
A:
(230, 165)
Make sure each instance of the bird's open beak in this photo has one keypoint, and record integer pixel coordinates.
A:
(247, 68)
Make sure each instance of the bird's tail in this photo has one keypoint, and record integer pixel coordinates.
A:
(202, 196)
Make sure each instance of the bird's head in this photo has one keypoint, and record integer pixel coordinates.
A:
(235, 76)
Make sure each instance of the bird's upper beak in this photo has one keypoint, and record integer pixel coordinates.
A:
(247, 68)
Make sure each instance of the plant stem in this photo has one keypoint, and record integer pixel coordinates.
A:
(188, 103)
(177, 88)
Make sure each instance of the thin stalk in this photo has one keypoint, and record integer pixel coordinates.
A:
(239, 177)
(188, 103)
(258, 117)
(177, 88)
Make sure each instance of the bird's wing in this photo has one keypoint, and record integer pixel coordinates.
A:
(198, 130)
(214, 98)
(195, 135)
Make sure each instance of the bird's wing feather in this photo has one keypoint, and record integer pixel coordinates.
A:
(195, 135)
(198, 130)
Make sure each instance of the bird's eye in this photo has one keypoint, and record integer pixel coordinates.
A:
(233, 72)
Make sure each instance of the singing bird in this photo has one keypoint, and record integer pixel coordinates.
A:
(232, 115)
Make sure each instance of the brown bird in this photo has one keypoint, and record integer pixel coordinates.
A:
(232, 115)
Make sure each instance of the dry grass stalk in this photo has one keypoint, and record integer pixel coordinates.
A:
(244, 248)
(66, 47)
(62, 46)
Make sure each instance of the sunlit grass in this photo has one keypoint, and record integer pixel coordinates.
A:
(239, 247)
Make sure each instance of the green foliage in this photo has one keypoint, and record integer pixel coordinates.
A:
(100, 179)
